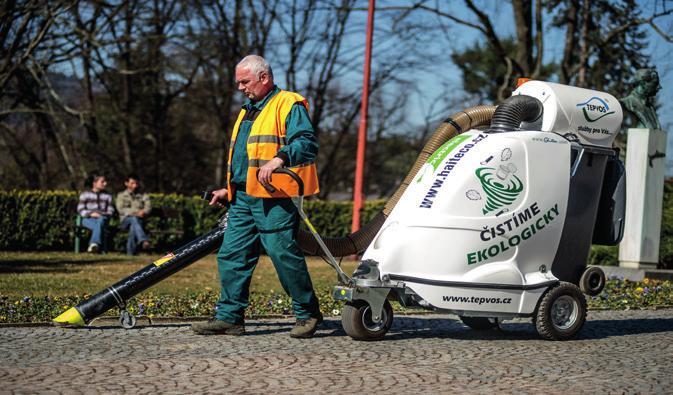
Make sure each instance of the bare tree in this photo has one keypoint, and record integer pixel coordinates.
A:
(28, 35)
(24, 25)
(226, 32)
(585, 34)
(322, 53)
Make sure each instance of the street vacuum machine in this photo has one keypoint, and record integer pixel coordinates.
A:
(498, 222)
(494, 221)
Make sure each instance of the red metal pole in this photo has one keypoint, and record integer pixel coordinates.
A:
(358, 197)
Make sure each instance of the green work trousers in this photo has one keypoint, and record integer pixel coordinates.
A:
(274, 223)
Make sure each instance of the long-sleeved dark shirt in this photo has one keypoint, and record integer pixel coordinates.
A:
(302, 143)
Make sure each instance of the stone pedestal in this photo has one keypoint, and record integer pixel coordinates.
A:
(645, 168)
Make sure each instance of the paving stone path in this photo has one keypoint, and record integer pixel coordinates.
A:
(616, 352)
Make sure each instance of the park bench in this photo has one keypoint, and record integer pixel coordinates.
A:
(164, 214)
(82, 234)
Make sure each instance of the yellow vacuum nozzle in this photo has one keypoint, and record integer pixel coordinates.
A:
(70, 317)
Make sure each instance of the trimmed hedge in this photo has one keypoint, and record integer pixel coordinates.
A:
(666, 246)
(44, 221)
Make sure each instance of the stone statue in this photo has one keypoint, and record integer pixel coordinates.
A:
(640, 102)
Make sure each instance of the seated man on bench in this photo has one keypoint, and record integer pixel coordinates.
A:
(95, 208)
(133, 207)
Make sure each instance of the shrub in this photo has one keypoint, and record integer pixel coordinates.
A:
(45, 221)
(666, 243)
(604, 256)
(40, 221)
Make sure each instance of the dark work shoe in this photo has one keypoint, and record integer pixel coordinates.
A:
(218, 327)
(305, 328)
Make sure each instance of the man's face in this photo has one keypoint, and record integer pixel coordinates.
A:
(131, 184)
(99, 184)
(252, 87)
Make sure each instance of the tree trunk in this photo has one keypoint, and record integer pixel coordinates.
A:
(523, 18)
(583, 62)
(127, 131)
(568, 62)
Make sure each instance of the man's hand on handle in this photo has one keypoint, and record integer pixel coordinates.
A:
(264, 175)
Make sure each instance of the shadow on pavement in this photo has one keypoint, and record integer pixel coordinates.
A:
(414, 328)
(600, 329)
(446, 328)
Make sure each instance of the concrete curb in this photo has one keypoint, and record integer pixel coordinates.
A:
(637, 274)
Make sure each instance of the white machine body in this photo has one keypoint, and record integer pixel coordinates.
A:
(499, 223)
(477, 229)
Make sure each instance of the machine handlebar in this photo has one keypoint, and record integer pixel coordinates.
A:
(271, 189)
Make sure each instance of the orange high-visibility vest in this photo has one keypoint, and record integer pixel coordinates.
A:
(267, 136)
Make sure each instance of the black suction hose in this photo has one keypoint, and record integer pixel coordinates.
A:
(351, 244)
(513, 111)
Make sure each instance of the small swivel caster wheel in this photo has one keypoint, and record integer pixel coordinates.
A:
(592, 281)
(358, 323)
(126, 319)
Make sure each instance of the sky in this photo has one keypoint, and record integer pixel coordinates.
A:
(659, 50)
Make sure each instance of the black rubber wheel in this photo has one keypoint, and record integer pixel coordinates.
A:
(561, 313)
(480, 323)
(356, 319)
(592, 281)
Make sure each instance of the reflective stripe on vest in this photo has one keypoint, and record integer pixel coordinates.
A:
(262, 162)
(267, 139)
(267, 136)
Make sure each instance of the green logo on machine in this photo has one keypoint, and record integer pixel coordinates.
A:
(438, 156)
(500, 185)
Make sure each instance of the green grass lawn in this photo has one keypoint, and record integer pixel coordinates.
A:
(63, 274)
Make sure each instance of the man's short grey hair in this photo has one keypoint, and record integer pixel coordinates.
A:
(257, 65)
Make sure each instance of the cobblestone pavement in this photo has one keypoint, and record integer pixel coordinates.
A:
(616, 352)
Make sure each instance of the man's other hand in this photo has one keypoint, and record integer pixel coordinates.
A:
(218, 195)
(265, 171)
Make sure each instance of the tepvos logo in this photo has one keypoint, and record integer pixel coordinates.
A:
(595, 109)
